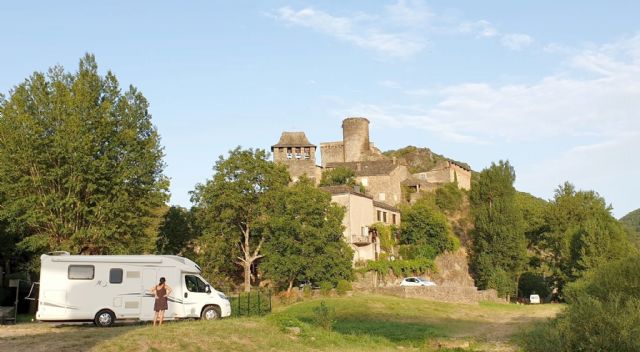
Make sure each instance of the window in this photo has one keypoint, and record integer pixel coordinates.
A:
(81, 272)
(381, 197)
(364, 231)
(384, 216)
(195, 284)
(393, 219)
(379, 215)
(364, 181)
(115, 276)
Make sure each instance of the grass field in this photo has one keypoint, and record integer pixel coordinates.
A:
(362, 323)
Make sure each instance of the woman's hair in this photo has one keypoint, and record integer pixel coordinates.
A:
(162, 280)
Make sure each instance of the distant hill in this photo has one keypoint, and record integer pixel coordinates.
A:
(419, 159)
(632, 222)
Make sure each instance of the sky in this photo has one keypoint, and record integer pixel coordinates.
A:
(553, 87)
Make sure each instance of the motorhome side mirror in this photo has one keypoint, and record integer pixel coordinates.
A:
(208, 289)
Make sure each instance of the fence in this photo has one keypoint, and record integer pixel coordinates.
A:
(257, 302)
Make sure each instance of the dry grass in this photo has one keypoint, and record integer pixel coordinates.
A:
(364, 322)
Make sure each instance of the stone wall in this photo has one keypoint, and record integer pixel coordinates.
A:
(452, 294)
(385, 188)
(331, 152)
(462, 175)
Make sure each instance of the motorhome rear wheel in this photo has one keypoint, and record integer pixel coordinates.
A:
(105, 318)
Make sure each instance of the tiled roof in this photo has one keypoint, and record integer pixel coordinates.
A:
(292, 139)
(367, 168)
(385, 206)
(343, 189)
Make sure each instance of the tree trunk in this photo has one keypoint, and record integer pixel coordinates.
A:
(247, 275)
(290, 287)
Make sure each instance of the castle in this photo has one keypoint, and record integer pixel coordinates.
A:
(383, 179)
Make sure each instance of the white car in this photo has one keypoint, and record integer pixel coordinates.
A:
(416, 281)
(534, 299)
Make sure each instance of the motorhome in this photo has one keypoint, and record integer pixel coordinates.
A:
(106, 288)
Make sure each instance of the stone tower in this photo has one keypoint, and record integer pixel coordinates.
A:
(294, 150)
(355, 136)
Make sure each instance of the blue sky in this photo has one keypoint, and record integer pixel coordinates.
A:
(554, 87)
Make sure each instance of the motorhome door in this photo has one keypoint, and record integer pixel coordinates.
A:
(195, 294)
(149, 279)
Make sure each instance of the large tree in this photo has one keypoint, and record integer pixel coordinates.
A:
(80, 163)
(582, 234)
(233, 205)
(176, 231)
(423, 224)
(498, 247)
(305, 238)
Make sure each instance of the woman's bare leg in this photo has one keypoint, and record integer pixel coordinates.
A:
(155, 318)
(161, 314)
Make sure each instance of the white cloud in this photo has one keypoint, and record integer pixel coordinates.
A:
(350, 30)
(412, 13)
(481, 28)
(603, 105)
(516, 41)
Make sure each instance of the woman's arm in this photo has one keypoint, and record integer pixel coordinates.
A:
(155, 293)
(169, 290)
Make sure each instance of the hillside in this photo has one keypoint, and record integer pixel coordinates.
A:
(418, 159)
(632, 222)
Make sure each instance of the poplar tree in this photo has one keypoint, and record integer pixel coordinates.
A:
(80, 164)
(498, 251)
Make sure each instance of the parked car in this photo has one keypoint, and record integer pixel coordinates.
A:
(416, 281)
(534, 299)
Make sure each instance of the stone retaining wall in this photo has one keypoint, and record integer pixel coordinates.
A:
(452, 294)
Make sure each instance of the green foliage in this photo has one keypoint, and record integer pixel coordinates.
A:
(603, 314)
(386, 235)
(230, 209)
(338, 176)
(306, 291)
(176, 231)
(325, 288)
(416, 251)
(403, 267)
(325, 316)
(305, 241)
(80, 164)
(498, 247)
(343, 287)
(582, 234)
(425, 225)
(531, 283)
(449, 197)
(632, 222)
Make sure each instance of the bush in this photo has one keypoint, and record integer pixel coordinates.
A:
(603, 313)
(324, 316)
(415, 251)
(284, 321)
(502, 282)
(325, 288)
(405, 267)
(342, 287)
(306, 291)
(449, 198)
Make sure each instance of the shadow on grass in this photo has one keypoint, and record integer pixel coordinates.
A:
(398, 332)
(67, 337)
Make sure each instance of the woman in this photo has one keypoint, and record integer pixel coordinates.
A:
(161, 291)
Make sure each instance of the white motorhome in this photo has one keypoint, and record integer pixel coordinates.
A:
(103, 288)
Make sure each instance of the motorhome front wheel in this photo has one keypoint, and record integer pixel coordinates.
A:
(210, 313)
(104, 318)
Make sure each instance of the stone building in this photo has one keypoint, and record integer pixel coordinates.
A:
(447, 171)
(294, 150)
(355, 144)
(362, 212)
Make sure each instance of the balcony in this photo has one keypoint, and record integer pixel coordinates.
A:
(361, 240)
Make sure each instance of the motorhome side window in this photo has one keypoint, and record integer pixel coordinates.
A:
(194, 284)
(81, 272)
(115, 276)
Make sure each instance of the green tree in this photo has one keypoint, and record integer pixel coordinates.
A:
(305, 238)
(498, 247)
(423, 224)
(582, 234)
(176, 231)
(632, 222)
(338, 176)
(234, 204)
(449, 198)
(80, 163)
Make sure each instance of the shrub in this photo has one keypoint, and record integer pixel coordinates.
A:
(324, 316)
(342, 287)
(284, 321)
(306, 291)
(325, 288)
(449, 198)
(415, 251)
(603, 313)
(405, 267)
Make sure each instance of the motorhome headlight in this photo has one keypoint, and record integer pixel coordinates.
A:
(221, 295)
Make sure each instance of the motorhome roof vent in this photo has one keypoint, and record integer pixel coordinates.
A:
(58, 253)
